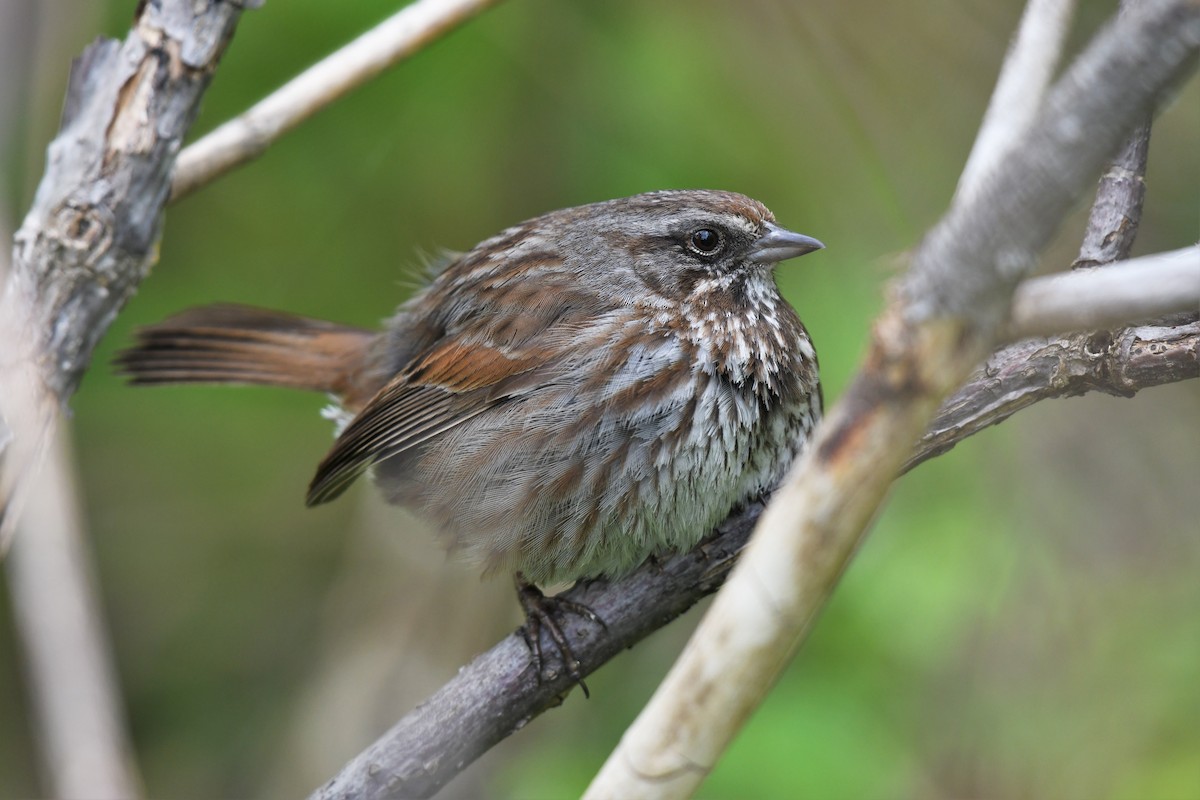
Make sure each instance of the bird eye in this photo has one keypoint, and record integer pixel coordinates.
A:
(704, 241)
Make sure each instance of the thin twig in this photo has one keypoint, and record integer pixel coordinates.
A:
(247, 136)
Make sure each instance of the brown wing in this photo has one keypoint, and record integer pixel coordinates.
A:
(451, 383)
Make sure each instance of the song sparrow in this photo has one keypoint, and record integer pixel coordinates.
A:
(582, 391)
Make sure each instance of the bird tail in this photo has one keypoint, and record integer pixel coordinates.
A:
(235, 344)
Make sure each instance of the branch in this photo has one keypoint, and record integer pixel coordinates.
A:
(1018, 375)
(941, 320)
(247, 136)
(1144, 288)
(95, 223)
(89, 237)
(1119, 363)
(93, 230)
(1117, 211)
(497, 693)
(70, 672)
(1021, 87)
(1113, 222)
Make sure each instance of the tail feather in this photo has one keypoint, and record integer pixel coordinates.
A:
(244, 345)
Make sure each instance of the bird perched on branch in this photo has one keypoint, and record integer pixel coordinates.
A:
(580, 392)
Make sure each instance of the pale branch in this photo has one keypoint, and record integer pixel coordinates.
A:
(70, 672)
(1109, 89)
(1111, 230)
(75, 700)
(92, 232)
(1025, 76)
(1080, 300)
(87, 240)
(940, 321)
(497, 693)
(248, 135)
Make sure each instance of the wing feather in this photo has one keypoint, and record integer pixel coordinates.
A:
(453, 382)
(511, 338)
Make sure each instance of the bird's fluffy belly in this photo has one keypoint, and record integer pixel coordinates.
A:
(558, 496)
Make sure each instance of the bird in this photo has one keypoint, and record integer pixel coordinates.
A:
(581, 392)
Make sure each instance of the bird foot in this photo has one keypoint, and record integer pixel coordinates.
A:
(540, 612)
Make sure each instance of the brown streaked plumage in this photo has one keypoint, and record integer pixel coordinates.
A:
(584, 390)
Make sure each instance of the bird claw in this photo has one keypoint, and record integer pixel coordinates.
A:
(540, 613)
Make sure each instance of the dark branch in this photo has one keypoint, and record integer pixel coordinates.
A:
(1121, 363)
(1117, 211)
(1113, 222)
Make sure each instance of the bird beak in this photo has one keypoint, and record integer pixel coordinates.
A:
(779, 244)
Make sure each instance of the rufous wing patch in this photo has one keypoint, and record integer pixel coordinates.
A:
(459, 366)
(447, 385)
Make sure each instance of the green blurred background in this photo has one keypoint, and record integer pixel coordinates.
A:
(1022, 622)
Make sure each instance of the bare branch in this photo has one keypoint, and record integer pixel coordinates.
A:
(1144, 288)
(1117, 210)
(940, 322)
(70, 672)
(93, 230)
(1113, 222)
(497, 694)
(1024, 78)
(246, 137)
(1121, 363)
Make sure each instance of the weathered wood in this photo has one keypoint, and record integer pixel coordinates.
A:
(87, 241)
(1113, 222)
(93, 230)
(1120, 363)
